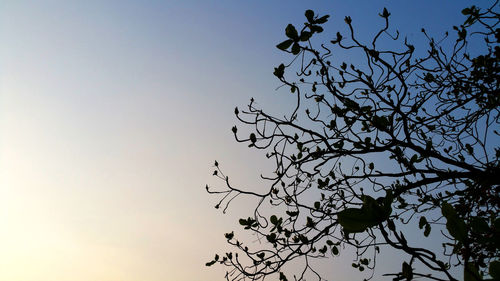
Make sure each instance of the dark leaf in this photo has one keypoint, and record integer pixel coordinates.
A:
(253, 138)
(284, 45)
(427, 230)
(317, 205)
(295, 48)
(322, 20)
(407, 271)
(454, 224)
(291, 32)
(274, 219)
(471, 272)
(305, 35)
(310, 222)
(385, 13)
(494, 270)
(422, 222)
(335, 250)
(479, 225)
(354, 220)
(316, 28)
(310, 16)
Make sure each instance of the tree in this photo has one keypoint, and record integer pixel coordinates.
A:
(404, 138)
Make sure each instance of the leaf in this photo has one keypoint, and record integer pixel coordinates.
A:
(284, 45)
(494, 270)
(462, 33)
(358, 145)
(354, 220)
(305, 35)
(471, 272)
(447, 210)
(303, 239)
(466, 11)
(414, 158)
(261, 255)
(380, 209)
(469, 148)
(323, 19)
(339, 144)
(339, 38)
(350, 104)
(422, 222)
(316, 28)
(279, 71)
(253, 138)
(479, 225)
(310, 222)
(317, 205)
(248, 223)
(295, 49)
(271, 238)
(385, 13)
(229, 236)
(455, 225)
(335, 250)
(274, 219)
(428, 78)
(380, 122)
(407, 271)
(371, 213)
(309, 15)
(427, 230)
(291, 32)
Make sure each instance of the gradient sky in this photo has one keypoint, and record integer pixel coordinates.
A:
(112, 112)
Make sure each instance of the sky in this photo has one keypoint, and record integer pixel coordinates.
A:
(112, 113)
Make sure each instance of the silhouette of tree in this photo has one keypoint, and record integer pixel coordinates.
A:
(371, 149)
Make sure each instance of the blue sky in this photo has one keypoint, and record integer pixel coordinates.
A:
(112, 112)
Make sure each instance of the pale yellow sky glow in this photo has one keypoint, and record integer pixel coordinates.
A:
(101, 168)
(96, 201)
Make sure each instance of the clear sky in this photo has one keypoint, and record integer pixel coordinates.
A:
(112, 112)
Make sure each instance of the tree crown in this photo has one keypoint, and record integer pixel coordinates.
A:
(369, 149)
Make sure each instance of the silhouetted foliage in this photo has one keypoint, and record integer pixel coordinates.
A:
(371, 149)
